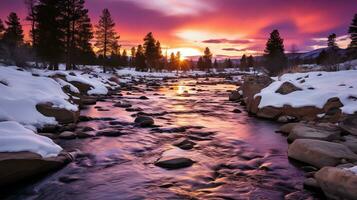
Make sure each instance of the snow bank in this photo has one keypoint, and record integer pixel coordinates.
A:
(16, 138)
(317, 88)
(353, 169)
(21, 92)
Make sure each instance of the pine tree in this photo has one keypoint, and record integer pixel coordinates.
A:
(13, 38)
(132, 58)
(140, 63)
(243, 63)
(106, 37)
(201, 64)
(31, 17)
(83, 36)
(215, 64)
(178, 61)
(352, 31)
(250, 62)
(173, 61)
(331, 41)
(207, 59)
(124, 59)
(150, 51)
(2, 29)
(275, 59)
(49, 32)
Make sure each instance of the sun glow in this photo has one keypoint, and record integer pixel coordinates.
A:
(185, 52)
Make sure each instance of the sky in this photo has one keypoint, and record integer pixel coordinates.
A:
(230, 28)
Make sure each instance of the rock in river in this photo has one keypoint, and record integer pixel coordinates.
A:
(337, 183)
(67, 135)
(310, 132)
(184, 144)
(144, 121)
(320, 153)
(174, 163)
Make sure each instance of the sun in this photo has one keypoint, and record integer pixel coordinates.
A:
(185, 52)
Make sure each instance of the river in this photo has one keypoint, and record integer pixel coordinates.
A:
(236, 156)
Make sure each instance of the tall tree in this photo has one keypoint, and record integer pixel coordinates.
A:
(13, 37)
(140, 63)
(250, 62)
(31, 17)
(275, 59)
(331, 41)
(201, 64)
(106, 37)
(173, 61)
(124, 59)
(49, 32)
(207, 59)
(243, 63)
(132, 58)
(151, 51)
(215, 64)
(352, 31)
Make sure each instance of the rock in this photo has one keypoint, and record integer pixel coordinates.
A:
(49, 128)
(87, 134)
(110, 133)
(85, 118)
(61, 115)
(309, 132)
(287, 88)
(67, 135)
(144, 121)
(87, 129)
(286, 119)
(286, 128)
(143, 98)
(49, 135)
(311, 184)
(174, 163)
(319, 153)
(20, 166)
(337, 183)
(237, 110)
(269, 112)
(351, 142)
(298, 195)
(68, 179)
(122, 105)
(350, 124)
(88, 101)
(184, 144)
(134, 109)
(82, 87)
(235, 96)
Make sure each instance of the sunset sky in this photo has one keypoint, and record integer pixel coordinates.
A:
(228, 27)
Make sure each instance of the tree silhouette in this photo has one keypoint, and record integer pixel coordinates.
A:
(207, 59)
(275, 59)
(243, 63)
(352, 31)
(13, 37)
(331, 41)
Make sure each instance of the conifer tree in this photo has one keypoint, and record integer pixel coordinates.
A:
(124, 59)
(201, 64)
(215, 64)
(140, 63)
(243, 62)
(31, 17)
(132, 58)
(331, 41)
(275, 59)
(2, 29)
(250, 62)
(352, 31)
(106, 36)
(83, 36)
(13, 37)
(151, 51)
(207, 59)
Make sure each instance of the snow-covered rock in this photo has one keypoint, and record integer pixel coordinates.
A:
(16, 138)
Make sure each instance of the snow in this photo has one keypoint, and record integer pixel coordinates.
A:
(317, 88)
(16, 138)
(23, 91)
(353, 169)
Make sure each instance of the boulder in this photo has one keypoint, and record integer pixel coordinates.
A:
(174, 163)
(82, 87)
(337, 183)
(122, 105)
(269, 112)
(144, 121)
(286, 128)
(350, 124)
(304, 131)
(109, 133)
(20, 166)
(61, 115)
(320, 153)
(235, 96)
(351, 142)
(184, 144)
(67, 135)
(287, 88)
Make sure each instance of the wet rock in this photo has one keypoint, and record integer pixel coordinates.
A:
(309, 132)
(134, 109)
(49, 128)
(61, 115)
(122, 105)
(20, 166)
(184, 144)
(67, 135)
(286, 119)
(287, 88)
(86, 129)
(88, 101)
(143, 98)
(309, 168)
(144, 121)
(174, 163)
(286, 128)
(82, 87)
(237, 110)
(337, 183)
(85, 134)
(350, 124)
(319, 153)
(269, 112)
(235, 96)
(110, 133)
(83, 118)
(49, 135)
(351, 142)
(68, 179)
(298, 195)
(311, 184)
(68, 127)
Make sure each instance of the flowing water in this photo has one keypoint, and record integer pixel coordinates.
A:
(236, 156)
